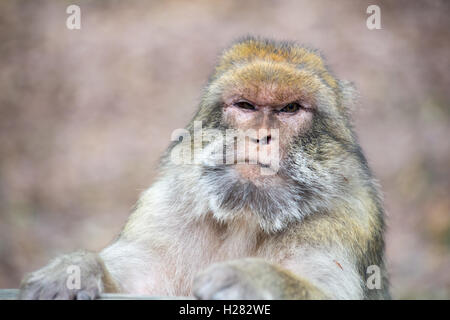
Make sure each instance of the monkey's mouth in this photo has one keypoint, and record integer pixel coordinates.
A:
(248, 160)
(254, 162)
(254, 170)
(263, 165)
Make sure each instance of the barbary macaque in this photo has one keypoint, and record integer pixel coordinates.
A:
(274, 199)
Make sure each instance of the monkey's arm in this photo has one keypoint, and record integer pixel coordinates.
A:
(252, 279)
(79, 275)
(124, 266)
(309, 275)
(129, 265)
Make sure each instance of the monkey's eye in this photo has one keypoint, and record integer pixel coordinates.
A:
(291, 108)
(245, 105)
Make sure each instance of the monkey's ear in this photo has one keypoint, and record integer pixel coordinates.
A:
(349, 96)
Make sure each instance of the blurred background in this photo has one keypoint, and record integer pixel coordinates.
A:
(85, 114)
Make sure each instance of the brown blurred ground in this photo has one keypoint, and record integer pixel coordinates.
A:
(84, 115)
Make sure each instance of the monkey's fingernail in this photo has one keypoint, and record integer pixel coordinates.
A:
(83, 295)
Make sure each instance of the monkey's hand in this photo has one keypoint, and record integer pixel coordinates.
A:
(251, 279)
(76, 276)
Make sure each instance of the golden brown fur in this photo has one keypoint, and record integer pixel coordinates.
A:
(221, 231)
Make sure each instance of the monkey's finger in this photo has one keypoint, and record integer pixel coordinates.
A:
(29, 292)
(85, 295)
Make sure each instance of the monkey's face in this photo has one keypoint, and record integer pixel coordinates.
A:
(268, 105)
(298, 148)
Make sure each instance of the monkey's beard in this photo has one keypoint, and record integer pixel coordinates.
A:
(299, 188)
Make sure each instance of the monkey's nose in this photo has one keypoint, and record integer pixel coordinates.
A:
(265, 140)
